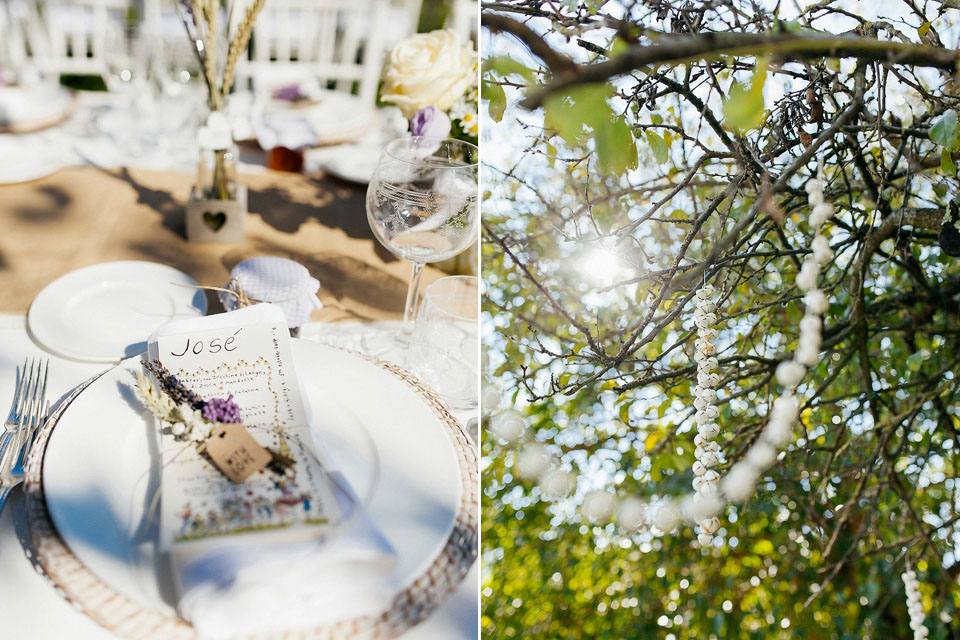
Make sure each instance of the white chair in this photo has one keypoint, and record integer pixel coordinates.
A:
(25, 38)
(78, 33)
(464, 19)
(403, 19)
(339, 43)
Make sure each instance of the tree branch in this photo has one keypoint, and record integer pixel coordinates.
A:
(676, 49)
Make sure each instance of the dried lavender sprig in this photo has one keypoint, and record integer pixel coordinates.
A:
(173, 387)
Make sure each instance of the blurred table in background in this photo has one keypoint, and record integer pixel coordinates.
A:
(82, 216)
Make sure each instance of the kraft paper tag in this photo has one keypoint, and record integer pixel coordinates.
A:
(235, 452)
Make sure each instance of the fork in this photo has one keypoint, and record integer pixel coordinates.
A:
(29, 409)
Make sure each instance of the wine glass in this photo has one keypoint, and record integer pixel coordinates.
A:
(127, 56)
(422, 206)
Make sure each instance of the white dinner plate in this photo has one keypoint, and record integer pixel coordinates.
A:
(26, 108)
(106, 312)
(100, 469)
(33, 162)
(350, 162)
(333, 118)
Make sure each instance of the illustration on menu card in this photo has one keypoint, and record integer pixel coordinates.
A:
(254, 364)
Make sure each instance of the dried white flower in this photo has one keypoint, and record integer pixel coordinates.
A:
(531, 461)
(821, 249)
(197, 428)
(761, 455)
(666, 518)
(807, 278)
(490, 397)
(598, 505)
(706, 504)
(810, 324)
(808, 353)
(816, 302)
(631, 514)
(740, 482)
(509, 426)
(558, 483)
(790, 373)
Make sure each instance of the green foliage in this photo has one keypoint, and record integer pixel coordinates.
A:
(506, 67)
(946, 163)
(743, 108)
(496, 100)
(943, 130)
(658, 146)
(584, 113)
(603, 367)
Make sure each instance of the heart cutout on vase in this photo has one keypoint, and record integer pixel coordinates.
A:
(214, 220)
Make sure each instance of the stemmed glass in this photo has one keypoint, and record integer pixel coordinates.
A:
(128, 56)
(422, 206)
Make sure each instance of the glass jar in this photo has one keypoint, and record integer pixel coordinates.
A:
(217, 173)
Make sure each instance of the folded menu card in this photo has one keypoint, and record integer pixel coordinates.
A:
(275, 550)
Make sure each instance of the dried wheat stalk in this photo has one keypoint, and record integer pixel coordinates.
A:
(239, 44)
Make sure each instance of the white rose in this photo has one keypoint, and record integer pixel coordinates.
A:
(433, 68)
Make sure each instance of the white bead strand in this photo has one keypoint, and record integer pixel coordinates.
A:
(914, 605)
(707, 453)
(741, 481)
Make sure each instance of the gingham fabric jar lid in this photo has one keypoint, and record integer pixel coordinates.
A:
(280, 281)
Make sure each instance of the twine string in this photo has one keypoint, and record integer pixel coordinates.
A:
(235, 289)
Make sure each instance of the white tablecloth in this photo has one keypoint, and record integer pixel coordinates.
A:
(29, 606)
(159, 133)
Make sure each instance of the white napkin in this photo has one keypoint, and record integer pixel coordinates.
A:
(253, 582)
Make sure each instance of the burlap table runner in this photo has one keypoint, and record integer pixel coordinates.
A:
(83, 216)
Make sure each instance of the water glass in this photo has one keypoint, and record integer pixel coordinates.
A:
(445, 347)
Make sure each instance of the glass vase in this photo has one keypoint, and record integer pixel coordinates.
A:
(217, 173)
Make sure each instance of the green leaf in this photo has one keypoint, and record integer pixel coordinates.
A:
(570, 112)
(616, 146)
(944, 127)
(743, 108)
(922, 29)
(618, 46)
(915, 360)
(551, 152)
(946, 163)
(651, 440)
(583, 111)
(658, 146)
(496, 100)
(505, 66)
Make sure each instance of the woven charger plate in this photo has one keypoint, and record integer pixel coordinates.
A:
(114, 611)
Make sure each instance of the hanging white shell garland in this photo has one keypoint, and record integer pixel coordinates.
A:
(534, 462)
(740, 483)
(914, 605)
(707, 452)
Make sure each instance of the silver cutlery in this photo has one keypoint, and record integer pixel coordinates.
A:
(29, 411)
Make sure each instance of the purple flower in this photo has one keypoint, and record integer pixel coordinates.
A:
(220, 410)
(430, 121)
(290, 93)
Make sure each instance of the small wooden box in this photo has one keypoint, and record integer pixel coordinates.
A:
(217, 220)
